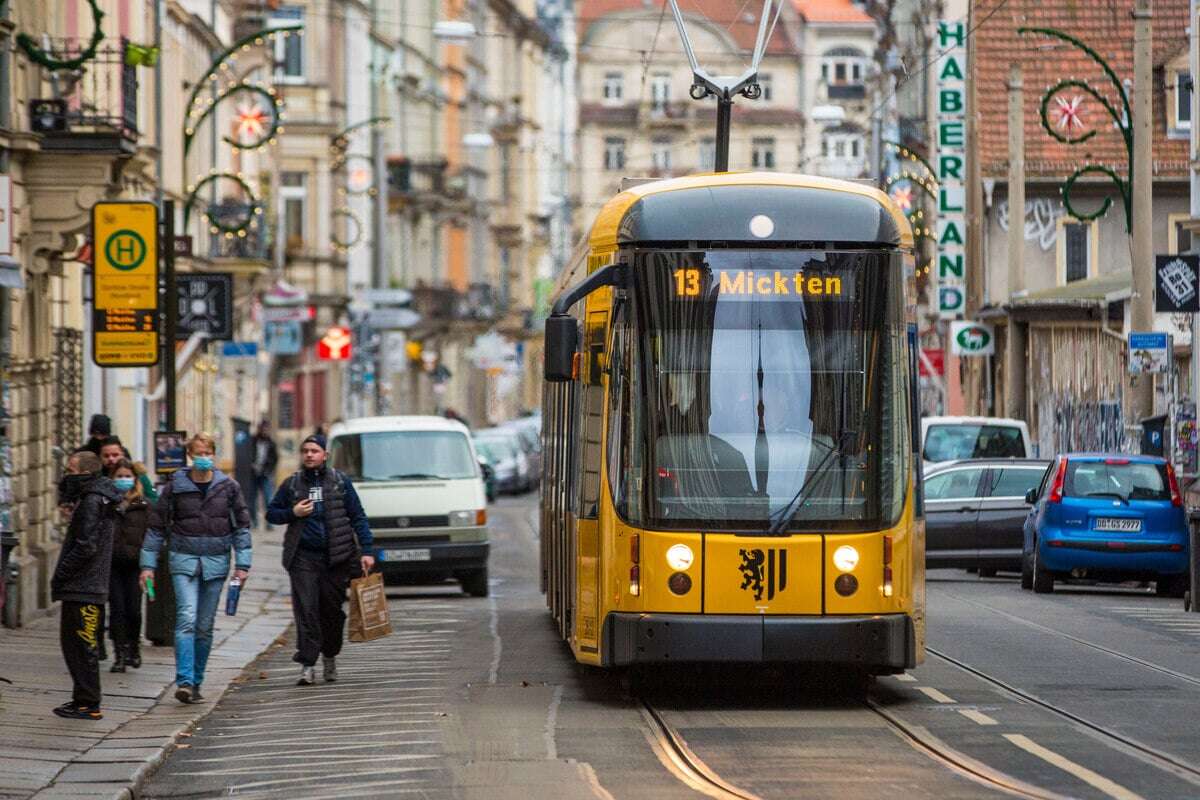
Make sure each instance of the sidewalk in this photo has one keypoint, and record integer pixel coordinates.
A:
(43, 756)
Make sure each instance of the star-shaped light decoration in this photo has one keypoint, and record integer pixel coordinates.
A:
(902, 196)
(250, 122)
(1068, 115)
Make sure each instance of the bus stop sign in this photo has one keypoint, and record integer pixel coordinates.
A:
(125, 284)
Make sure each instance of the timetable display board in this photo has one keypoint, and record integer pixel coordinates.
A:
(125, 317)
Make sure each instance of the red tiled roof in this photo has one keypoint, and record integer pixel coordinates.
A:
(1105, 27)
(842, 11)
(743, 28)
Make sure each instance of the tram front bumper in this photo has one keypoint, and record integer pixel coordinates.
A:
(886, 641)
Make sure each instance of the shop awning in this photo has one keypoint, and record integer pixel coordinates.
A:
(1098, 291)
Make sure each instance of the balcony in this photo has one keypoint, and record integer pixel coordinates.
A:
(249, 254)
(92, 110)
(846, 91)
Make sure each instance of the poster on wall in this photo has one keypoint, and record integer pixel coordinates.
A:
(1149, 352)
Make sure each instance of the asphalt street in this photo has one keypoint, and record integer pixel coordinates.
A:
(1092, 692)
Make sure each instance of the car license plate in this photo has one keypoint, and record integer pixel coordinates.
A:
(406, 555)
(1118, 524)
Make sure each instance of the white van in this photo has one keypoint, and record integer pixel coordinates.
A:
(422, 490)
(955, 438)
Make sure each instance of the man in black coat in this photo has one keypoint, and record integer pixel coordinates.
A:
(328, 540)
(266, 459)
(81, 577)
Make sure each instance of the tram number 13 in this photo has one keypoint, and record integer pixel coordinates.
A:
(687, 282)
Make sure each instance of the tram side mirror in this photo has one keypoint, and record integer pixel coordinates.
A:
(562, 340)
(1031, 497)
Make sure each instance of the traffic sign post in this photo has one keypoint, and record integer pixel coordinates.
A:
(171, 310)
(125, 298)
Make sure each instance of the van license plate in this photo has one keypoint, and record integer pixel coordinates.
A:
(1118, 524)
(406, 555)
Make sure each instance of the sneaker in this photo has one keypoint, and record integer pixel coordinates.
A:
(196, 696)
(72, 710)
(308, 676)
(329, 671)
(183, 693)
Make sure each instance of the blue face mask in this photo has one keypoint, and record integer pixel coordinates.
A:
(123, 484)
(202, 463)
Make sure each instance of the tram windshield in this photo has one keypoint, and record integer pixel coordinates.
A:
(760, 390)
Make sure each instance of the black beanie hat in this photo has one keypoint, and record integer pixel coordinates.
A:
(316, 439)
(100, 424)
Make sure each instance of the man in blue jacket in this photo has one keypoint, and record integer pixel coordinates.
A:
(328, 540)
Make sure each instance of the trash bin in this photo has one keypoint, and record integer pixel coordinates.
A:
(1193, 556)
(160, 615)
(8, 541)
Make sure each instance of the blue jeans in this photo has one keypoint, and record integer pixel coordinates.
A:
(196, 601)
(262, 486)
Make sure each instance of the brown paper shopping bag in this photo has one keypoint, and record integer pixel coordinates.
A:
(368, 609)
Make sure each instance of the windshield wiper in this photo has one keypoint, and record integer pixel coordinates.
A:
(410, 476)
(1117, 495)
(846, 446)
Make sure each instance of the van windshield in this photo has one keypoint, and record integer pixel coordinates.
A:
(973, 440)
(403, 455)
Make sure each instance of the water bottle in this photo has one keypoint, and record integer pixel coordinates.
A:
(231, 597)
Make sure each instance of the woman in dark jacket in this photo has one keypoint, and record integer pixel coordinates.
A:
(124, 592)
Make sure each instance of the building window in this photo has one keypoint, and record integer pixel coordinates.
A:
(1076, 250)
(614, 153)
(708, 154)
(762, 154)
(1183, 100)
(844, 64)
(660, 90)
(764, 82)
(293, 193)
(289, 49)
(614, 86)
(660, 155)
(842, 146)
(1183, 239)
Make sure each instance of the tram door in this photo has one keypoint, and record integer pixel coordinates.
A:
(588, 549)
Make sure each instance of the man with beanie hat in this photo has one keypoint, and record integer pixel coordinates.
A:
(328, 540)
(99, 429)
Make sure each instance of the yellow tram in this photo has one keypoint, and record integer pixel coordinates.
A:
(731, 471)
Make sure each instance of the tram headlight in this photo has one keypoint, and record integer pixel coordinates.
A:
(845, 558)
(680, 557)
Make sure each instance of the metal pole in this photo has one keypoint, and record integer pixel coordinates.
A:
(171, 301)
(1014, 341)
(724, 118)
(1194, 71)
(1142, 317)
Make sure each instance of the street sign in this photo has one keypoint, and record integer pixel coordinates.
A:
(972, 339)
(932, 363)
(335, 345)
(1149, 352)
(388, 297)
(239, 349)
(392, 319)
(125, 284)
(183, 246)
(282, 338)
(205, 305)
(1177, 284)
(287, 313)
(950, 133)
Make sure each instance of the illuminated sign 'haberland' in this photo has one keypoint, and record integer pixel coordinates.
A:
(951, 167)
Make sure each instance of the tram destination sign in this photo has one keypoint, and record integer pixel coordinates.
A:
(125, 284)
(749, 284)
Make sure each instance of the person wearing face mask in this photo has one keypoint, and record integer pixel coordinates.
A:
(113, 452)
(124, 593)
(81, 578)
(328, 540)
(202, 516)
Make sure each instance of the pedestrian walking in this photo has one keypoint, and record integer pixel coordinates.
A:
(328, 541)
(113, 452)
(201, 515)
(99, 429)
(124, 591)
(266, 459)
(80, 580)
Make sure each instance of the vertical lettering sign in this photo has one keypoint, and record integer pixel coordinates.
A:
(951, 141)
(125, 284)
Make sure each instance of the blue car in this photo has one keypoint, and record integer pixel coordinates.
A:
(1106, 517)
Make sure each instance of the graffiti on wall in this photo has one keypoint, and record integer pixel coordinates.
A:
(1041, 220)
(1069, 424)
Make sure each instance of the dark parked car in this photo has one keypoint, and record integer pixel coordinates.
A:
(975, 511)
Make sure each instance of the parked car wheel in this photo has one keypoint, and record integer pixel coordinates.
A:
(1026, 573)
(1171, 586)
(1043, 579)
(475, 582)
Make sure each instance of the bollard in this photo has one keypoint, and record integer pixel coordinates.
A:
(1193, 594)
